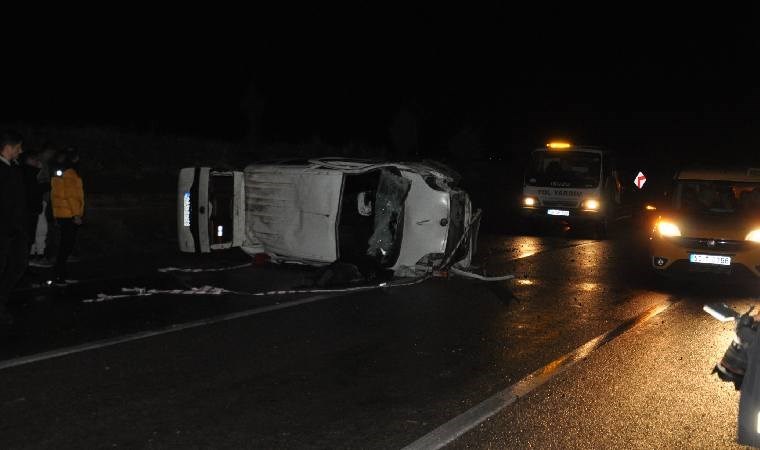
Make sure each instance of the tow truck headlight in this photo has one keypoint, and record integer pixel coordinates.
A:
(754, 236)
(668, 229)
(591, 204)
(529, 201)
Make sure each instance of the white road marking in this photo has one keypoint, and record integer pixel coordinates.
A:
(461, 424)
(37, 357)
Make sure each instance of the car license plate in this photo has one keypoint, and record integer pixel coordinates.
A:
(710, 259)
(558, 212)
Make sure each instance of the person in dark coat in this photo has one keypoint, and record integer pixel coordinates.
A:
(30, 168)
(40, 239)
(14, 243)
(34, 190)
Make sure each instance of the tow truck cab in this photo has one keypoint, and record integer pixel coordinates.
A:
(571, 183)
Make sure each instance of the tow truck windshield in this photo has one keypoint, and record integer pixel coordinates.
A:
(576, 169)
(718, 197)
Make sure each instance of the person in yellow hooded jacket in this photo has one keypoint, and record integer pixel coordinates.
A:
(67, 199)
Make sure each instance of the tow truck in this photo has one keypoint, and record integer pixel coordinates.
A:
(573, 184)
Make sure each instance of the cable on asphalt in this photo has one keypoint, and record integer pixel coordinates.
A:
(476, 276)
(211, 290)
(210, 269)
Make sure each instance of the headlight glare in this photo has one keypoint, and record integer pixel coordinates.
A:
(591, 204)
(668, 229)
(754, 236)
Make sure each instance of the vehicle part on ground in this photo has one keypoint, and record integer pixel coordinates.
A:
(733, 365)
(741, 365)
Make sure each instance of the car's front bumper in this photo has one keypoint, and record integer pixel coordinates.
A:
(574, 214)
(670, 256)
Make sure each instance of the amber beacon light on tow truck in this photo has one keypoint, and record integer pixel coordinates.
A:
(558, 145)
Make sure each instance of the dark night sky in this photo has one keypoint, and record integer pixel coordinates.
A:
(645, 82)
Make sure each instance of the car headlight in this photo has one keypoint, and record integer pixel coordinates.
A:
(529, 201)
(668, 229)
(754, 236)
(591, 204)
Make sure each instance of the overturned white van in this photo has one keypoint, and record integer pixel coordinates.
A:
(408, 217)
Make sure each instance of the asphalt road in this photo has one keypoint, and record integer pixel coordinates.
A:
(382, 368)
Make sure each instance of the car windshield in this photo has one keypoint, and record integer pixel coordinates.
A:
(576, 169)
(385, 242)
(718, 197)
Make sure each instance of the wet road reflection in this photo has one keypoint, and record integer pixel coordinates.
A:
(517, 247)
(392, 365)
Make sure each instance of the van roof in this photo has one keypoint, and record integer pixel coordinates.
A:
(738, 174)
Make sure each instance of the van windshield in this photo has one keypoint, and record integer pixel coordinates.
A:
(718, 197)
(576, 169)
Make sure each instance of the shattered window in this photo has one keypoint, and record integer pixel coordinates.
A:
(385, 242)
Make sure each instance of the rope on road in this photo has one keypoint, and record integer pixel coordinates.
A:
(211, 290)
(211, 269)
(452, 267)
(476, 276)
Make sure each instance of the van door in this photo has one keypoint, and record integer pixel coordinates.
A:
(210, 209)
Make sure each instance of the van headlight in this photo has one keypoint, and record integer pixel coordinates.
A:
(591, 204)
(668, 229)
(754, 236)
(529, 201)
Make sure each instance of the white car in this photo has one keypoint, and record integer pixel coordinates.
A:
(407, 217)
